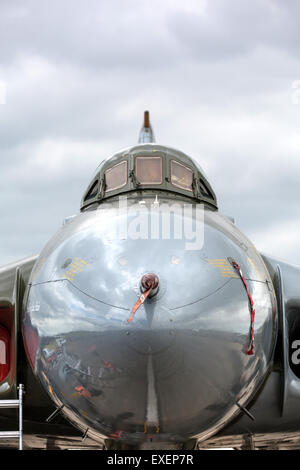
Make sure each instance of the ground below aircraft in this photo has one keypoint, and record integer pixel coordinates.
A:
(149, 320)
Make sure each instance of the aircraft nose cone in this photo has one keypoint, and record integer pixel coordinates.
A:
(178, 364)
(179, 370)
(150, 342)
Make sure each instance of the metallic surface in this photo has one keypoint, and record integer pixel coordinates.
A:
(14, 404)
(126, 382)
(146, 133)
(9, 403)
(178, 373)
(21, 392)
(133, 185)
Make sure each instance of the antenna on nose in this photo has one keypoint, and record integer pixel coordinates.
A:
(146, 134)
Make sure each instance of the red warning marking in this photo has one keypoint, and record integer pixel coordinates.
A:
(148, 282)
(250, 350)
(137, 305)
(4, 353)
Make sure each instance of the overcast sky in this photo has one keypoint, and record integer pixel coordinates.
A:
(221, 79)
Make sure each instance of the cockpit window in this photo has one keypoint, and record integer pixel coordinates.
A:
(148, 169)
(204, 191)
(145, 168)
(181, 176)
(116, 176)
(92, 192)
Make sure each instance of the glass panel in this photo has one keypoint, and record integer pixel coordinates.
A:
(205, 192)
(181, 176)
(116, 177)
(148, 170)
(93, 191)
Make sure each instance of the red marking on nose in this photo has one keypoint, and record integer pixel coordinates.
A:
(250, 350)
(148, 282)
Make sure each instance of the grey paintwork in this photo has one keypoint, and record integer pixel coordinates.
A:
(8, 274)
(195, 331)
(150, 149)
(179, 369)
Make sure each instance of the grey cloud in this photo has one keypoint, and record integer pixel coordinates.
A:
(217, 82)
(98, 34)
(235, 28)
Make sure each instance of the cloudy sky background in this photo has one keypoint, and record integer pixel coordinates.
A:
(219, 78)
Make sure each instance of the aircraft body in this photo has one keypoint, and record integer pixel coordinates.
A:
(150, 317)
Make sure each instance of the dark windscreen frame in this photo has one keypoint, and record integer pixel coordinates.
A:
(198, 189)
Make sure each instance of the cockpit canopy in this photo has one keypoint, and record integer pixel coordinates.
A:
(148, 166)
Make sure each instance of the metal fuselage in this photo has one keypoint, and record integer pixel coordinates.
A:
(179, 369)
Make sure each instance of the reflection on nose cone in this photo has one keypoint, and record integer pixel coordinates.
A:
(171, 373)
(168, 366)
(152, 419)
(172, 388)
